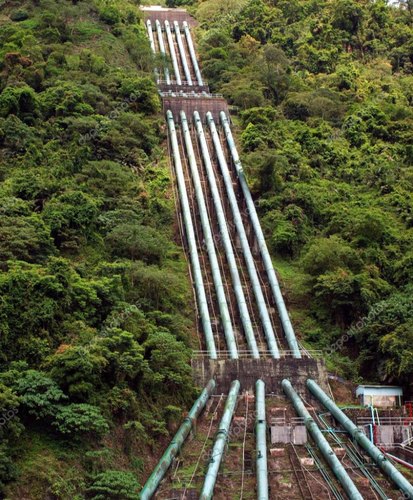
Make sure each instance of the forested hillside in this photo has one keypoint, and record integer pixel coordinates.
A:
(95, 309)
(325, 91)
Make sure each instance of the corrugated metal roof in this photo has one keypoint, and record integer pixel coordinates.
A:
(381, 390)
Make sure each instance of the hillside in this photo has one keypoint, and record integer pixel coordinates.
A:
(324, 93)
(97, 317)
(96, 314)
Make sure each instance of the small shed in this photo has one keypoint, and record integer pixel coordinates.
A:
(384, 396)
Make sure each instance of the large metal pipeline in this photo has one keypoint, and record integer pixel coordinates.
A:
(226, 240)
(209, 242)
(162, 50)
(175, 445)
(220, 442)
(249, 259)
(173, 54)
(192, 53)
(150, 35)
(182, 53)
(190, 234)
(322, 443)
(261, 441)
(357, 434)
(152, 43)
(272, 277)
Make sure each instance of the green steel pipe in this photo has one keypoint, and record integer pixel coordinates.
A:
(152, 44)
(261, 441)
(175, 445)
(173, 53)
(209, 243)
(182, 53)
(322, 443)
(220, 442)
(357, 434)
(269, 268)
(162, 50)
(246, 250)
(192, 246)
(192, 53)
(226, 241)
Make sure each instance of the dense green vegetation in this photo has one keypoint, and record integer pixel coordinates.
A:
(95, 315)
(95, 308)
(325, 93)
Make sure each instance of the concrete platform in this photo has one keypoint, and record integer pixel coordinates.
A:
(271, 371)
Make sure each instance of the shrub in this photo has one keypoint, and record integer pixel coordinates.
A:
(114, 485)
(39, 394)
(19, 15)
(80, 418)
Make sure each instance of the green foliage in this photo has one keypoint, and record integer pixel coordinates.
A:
(39, 395)
(114, 485)
(90, 274)
(19, 101)
(78, 418)
(324, 97)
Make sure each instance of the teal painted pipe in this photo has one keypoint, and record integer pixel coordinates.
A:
(152, 43)
(192, 53)
(190, 234)
(226, 241)
(162, 50)
(175, 445)
(322, 443)
(272, 277)
(182, 53)
(209, 242)
(357, 434)
(246, 250)
(261, 441)
(173, 53)
(220, 442)
(150, 35)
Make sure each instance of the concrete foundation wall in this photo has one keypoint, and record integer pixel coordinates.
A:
(271, 371)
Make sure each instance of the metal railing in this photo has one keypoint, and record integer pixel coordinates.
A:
(224, 354)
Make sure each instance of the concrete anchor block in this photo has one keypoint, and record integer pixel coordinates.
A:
(340, 452)
(307, 461)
